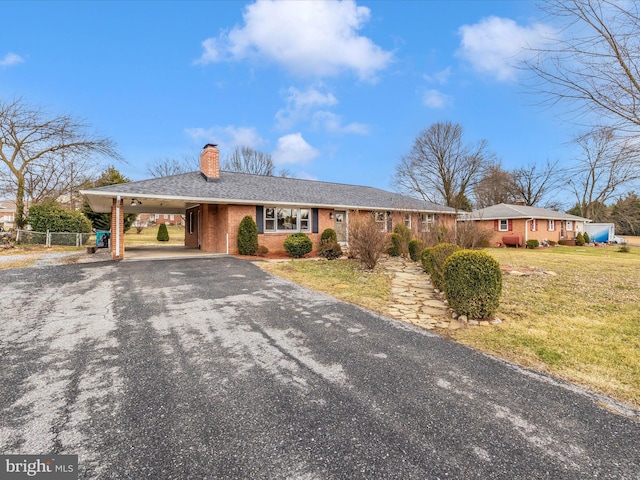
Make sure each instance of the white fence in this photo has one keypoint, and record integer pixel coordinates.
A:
(52, 238)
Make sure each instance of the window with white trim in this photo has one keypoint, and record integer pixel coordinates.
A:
(551, 225)
(381, 219)
(426, 221)
(534, 225)
(503, 225)
(407, 220)
(287, 219)
(569, 225)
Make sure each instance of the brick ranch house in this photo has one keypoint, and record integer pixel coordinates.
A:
(214, 202)
(515, 224)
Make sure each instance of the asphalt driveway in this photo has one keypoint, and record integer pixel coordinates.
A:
(212, 368)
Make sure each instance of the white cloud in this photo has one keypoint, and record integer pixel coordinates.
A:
(11, 59)
(495, 45)
(440, 77)
(312, 38)
(293, 149)
(227, 138)
(300, 104)
(436, 99)
(333, 123)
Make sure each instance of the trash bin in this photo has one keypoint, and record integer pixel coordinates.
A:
(102, 238)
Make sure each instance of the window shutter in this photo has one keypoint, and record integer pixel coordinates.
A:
(510, 222)
(314, 220)
(496, 224)
(260, 218)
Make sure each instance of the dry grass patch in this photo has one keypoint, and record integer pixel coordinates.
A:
(343, 279)
(581, 324)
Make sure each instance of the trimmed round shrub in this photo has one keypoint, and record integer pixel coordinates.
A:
(163, 233)
(247, 236)
(579, 239)
(328, 235)
(473, 283)
(532, 243)
(586, 237)
(415, 249)
(394, 249)
(439, 255)
(297, 245)
(426, 259)
(330, 250)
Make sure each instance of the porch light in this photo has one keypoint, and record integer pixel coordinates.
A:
(331, 215)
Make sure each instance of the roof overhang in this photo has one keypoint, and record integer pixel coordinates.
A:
(101, 202)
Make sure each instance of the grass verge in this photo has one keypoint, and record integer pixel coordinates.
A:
(343, 279)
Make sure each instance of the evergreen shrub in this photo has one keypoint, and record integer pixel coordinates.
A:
(426, 258)
(586, 237)
(580, 239)
(415, 249)
(329, 235)
(473, 283)
(247, 236)
(394, 249)
(297, 245)
(163, 233)
(532, 243)
(439, 255)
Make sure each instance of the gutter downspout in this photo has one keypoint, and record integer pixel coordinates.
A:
(117, 226)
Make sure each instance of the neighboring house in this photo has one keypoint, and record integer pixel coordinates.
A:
(7, 213)
(214, 202)
(515, 224)
(148, 219)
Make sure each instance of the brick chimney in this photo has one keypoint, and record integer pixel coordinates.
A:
(210, 161)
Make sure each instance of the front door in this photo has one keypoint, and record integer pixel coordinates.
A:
(340, 225)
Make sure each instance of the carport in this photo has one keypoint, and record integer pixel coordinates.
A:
(120, 205)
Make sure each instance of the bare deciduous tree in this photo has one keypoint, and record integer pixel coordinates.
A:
(172, 166)
(494, 187)
(533, 183)
(248, 160)
(593, 64)
(32, 142)
(440, 167)
(367, 241)
(607, 165)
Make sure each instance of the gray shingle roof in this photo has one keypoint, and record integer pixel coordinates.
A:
(241, 188)
(506, 211)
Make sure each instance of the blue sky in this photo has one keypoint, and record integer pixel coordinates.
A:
(335, 91)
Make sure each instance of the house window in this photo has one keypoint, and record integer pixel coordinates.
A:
(287, 219)
(426, 221)
(534, 225)
(380, 219)
(569, 225)
(190, 222)
(503, 225)
(551, 225)
(407, 220)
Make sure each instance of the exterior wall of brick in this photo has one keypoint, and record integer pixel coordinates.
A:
(117, 226)
(219, 224)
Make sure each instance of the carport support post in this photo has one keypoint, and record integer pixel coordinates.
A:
(116, 242)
